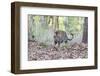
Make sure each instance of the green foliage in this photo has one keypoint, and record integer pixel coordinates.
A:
(43, 26)
(74, 24)
(61, 23)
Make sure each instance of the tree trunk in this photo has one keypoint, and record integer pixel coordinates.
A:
(30, 26)
(85, 31)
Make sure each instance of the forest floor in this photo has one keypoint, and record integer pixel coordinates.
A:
(40, 51)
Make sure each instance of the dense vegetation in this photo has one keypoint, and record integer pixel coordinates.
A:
(43, 27)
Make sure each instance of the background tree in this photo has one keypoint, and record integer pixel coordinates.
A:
(30, 27)
(85, 32)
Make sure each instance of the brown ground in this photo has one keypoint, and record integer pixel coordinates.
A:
(40, 51)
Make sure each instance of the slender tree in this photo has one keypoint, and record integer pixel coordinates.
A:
(85, 30)
(30, 27)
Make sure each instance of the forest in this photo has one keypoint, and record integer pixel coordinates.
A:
(57, 37)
